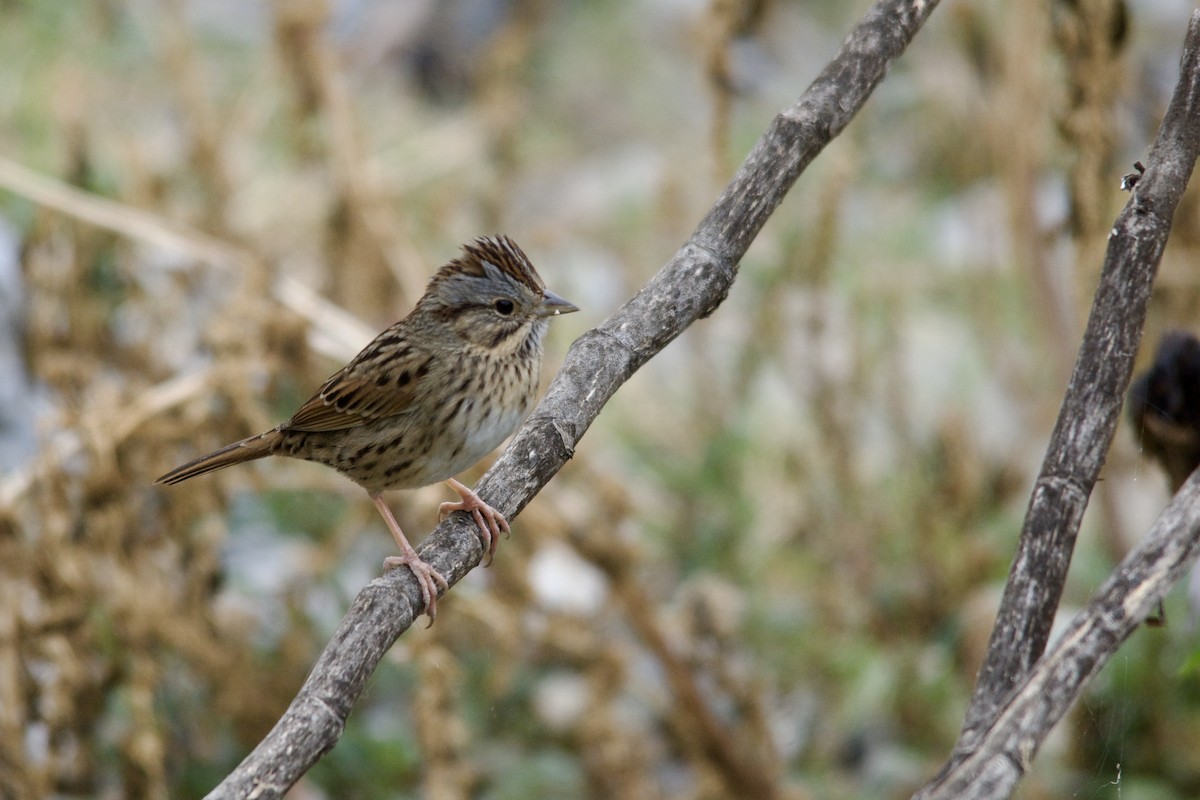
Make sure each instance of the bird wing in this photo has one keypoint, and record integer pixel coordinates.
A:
(382, 381)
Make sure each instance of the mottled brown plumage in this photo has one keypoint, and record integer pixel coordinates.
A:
(429, 397)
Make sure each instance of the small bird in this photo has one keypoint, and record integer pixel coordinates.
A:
(1164, 407)
(429, 397)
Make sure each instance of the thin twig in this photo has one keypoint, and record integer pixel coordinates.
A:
(335, 333)
(689, 287)
(133, 223)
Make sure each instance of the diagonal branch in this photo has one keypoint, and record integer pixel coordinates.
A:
(688, 288)
(1074, 457)
(1005, 750)
(1092, 406)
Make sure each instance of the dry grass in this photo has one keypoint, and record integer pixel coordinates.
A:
(770, 567)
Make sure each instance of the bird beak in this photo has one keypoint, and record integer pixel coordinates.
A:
(553, 305)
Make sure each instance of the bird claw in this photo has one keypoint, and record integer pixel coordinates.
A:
(490, 522)
(428, 579)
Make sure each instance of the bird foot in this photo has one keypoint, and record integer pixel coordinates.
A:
(491, 523)
(428, 578)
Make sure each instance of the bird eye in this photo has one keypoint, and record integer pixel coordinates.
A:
(504, 307)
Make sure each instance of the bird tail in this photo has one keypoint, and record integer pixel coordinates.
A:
(249, 449)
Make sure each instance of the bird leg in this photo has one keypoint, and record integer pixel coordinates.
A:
(490, 521)
(428, 578)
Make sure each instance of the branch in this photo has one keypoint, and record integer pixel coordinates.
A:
(689, 287)
(1089, 413)
(1005, 750)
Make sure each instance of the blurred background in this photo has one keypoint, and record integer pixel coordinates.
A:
(770, 569)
